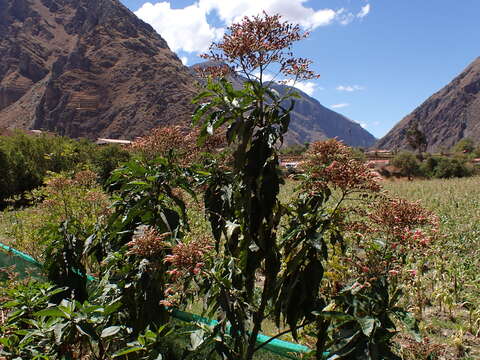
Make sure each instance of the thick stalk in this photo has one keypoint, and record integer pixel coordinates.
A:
(258, 319)
(322, 327)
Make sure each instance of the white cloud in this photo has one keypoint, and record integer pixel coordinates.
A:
(339, 106)
(376, 123)
(350, 88)
(292, 10)
(364, 12)
(364, 125)
(184, 29)
(187, 28)
(265, 76)
(308, 87)
(344, 17)
(184, 60)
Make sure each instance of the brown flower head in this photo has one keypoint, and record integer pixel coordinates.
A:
(86, 178)
(188, 258)
(148, 243)
(331, 163)
(254, 44)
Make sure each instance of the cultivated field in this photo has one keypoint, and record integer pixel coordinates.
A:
(451, 286)
(445, 296)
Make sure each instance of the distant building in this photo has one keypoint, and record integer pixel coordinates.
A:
(101, 141)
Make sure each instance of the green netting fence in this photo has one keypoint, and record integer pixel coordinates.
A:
(25, 266)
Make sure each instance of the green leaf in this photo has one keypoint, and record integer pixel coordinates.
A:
(87, 329)
(128, 350)
(196, 339)
(333, 315)
(58, 332)
(110, 331)
(112, 307)
(409, 321)
(55, 312)
(367, 324)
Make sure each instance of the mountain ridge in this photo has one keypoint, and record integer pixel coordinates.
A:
(91, 68)
(310, 120)
(87, 68)
(449, 115)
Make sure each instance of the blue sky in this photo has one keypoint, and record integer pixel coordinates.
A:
(378, 59)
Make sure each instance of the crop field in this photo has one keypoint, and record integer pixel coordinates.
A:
(452, 285)
(445, 297)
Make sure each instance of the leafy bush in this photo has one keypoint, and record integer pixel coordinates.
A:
(407, 162)
(428, 166)
(295, 149)
(450, 168)
(466, 145)
(77, 199)
(315, 263)
(107, 158)
(25, 160)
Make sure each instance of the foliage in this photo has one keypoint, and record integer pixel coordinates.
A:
(163, 140)
(407, 163)
(26, 160)
(331, 264)
(363, 285)
(295, 149)
(107, 158)
(38, 329)
(448, 295)
(465, 145)
(449, 168)
(432, 166)
(242, 203)
(256, 43)
(416, 138)
(77, 199)
(359, 153)
(149, 217)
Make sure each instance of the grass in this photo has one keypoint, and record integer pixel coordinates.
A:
(453, 315)
(451, 282)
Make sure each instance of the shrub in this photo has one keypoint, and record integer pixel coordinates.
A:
(295, 149)
(107, 158)
(466, 145)
(450, 168)
(25, 160)
(428, 165)
(407, 163)
(78, 199)
(267, 260)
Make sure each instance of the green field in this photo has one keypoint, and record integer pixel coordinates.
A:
(452, 284)
(446, 297)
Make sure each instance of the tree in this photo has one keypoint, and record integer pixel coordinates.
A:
(417, 139)
(407, 163)
(465, 145)
(242, 204)
(262, 269)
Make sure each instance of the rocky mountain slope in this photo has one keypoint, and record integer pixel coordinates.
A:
(311, 121)
(87, 68)
(91, 68)
(447, 116)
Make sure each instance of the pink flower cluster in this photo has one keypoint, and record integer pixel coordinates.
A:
(187, 258)
(331, 163)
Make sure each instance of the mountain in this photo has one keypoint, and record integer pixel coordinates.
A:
(91, 68)
(451, 114)
(87, 68)
(310, 120)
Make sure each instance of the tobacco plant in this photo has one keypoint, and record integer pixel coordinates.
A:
(242, 202)
(265, 270)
